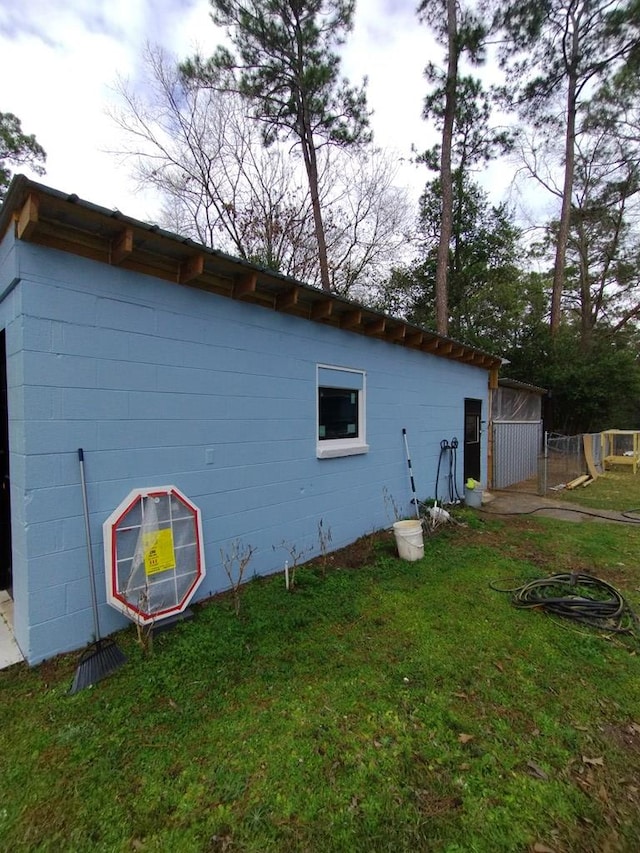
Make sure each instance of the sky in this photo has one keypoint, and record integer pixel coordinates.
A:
(60, 61)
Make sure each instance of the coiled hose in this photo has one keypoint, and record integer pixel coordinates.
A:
(580, 597)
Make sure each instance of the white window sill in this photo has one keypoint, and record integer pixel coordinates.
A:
(336, 450)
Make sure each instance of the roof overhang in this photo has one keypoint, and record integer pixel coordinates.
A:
(521, 386)
(50, 218)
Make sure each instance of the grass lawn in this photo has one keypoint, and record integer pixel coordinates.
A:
(381, 706)
(617, 489)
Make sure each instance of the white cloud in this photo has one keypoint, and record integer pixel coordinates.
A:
(62, 60)
(391, 48)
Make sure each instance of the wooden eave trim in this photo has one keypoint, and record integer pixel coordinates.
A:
(245, 285)
(351, 319)
(397, 334)
(191, 269)
(414, 338)
(321, 310)
(121, 246)
(71, 227)
(28, 218)
(458, 352)
(288, 299)
(55, 238)
(375, 327)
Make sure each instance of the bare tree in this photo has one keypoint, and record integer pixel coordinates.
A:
(204, 154)
(221, 186)
(287, 67)
(368, 220)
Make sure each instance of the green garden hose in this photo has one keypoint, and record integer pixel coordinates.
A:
(580, 597)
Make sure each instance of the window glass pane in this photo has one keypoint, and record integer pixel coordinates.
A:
(471, 428)
(338, 409)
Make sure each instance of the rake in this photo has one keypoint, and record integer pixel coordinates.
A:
(104, 657)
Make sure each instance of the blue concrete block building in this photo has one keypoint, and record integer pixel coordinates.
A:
(270, 404)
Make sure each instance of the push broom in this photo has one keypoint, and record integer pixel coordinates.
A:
(104, 656)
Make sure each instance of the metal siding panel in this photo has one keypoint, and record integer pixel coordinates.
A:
(516, 449)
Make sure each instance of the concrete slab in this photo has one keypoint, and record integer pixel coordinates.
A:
(9, 651)
(507, 503)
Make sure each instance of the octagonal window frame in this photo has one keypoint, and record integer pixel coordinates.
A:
(116, 595)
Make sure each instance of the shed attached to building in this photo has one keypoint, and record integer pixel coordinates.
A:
(516, 432)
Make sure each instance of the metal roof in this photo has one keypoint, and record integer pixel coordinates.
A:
(521, 386)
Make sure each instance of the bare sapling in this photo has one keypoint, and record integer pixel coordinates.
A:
(325, 539)
(235, 562)
(144, 631)
(391, 507)
(297, 555)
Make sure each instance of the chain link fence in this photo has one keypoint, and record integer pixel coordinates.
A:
(565, 457)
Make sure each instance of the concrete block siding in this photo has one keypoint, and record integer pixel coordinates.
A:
(164, 384)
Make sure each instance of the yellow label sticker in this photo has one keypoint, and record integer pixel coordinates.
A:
(159, 555)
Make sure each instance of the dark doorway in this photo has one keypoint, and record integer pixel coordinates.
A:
(472, 419)
(5, 498)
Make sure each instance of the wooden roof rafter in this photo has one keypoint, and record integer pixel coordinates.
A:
(121, 247)
(397, 334)
(467, 358)
(287, 299)
(65, 222)
(321, 310)
(351, 319)
(458, 352)
(28, 217)
(245, 285)
(375, 327)
(191, 269)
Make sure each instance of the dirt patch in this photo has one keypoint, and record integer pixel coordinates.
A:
(431, 805)
(625, 737)
(57, 669)
(358, 554)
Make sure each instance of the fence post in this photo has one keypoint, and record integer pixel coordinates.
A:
(543, 467)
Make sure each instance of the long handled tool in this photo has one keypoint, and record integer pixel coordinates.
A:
(104, 657)
(413, 485)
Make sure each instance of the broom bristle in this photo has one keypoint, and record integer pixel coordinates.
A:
(97, 663)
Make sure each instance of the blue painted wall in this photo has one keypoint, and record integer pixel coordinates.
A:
(163, 384)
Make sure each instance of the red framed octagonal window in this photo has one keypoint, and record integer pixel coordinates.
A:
(153, 552)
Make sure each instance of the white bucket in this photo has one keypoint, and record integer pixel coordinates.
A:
(409, 539)
(473, 497)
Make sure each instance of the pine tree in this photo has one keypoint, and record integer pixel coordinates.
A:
(285, 64)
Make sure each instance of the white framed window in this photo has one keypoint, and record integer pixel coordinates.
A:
(341, 411)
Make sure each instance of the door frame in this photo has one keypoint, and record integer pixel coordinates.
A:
(472, 443)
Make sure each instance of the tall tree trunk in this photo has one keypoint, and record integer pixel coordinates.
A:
(311, 166)
(567, 190)
(446, 221)
(586, 321)
(305, 133)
